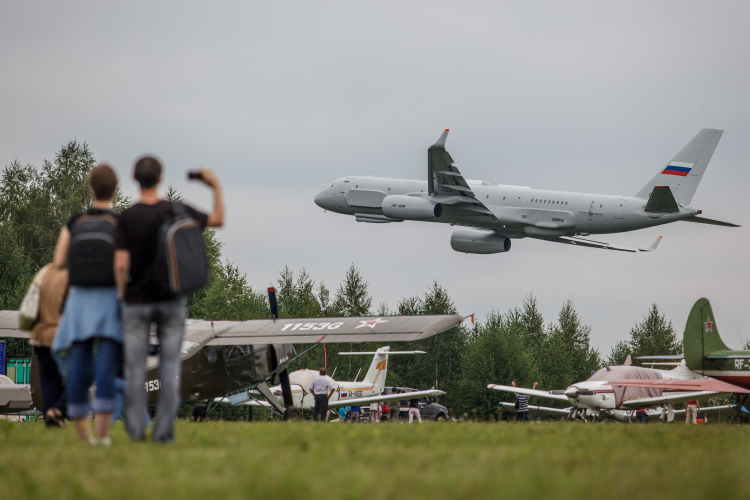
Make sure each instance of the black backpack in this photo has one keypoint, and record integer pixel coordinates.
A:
(181, 266)
(92, 248)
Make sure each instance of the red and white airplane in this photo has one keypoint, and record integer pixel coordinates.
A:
(597, 397)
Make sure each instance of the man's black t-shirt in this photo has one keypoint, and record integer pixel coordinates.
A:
(137, 232)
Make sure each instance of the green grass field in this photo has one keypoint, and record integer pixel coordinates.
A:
(450, 460)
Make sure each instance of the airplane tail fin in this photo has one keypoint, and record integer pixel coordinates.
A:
(701, 335)
(684, 172)
(379, 366)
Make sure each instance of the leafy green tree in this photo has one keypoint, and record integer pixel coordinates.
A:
(352, 297)
(441, 366)
(532, 323)
(296, 298)
(652, 336)
(16, 270)
(496, 351)
(567, 355)
(228, 296)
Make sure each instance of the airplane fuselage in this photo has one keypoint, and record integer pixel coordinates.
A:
(344, 390)
(517, 211)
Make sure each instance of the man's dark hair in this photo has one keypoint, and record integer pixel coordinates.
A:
(103, 182)
(323, 371)
(147, 171)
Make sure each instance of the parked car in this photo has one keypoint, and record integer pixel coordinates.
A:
(428, 408)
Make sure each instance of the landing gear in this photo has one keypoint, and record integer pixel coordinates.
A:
(578, 414)
(292, 414)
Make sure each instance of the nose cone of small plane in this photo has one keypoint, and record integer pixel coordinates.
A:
(571, 393)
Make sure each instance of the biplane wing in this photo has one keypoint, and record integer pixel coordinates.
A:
(294, 331)
(314, 330)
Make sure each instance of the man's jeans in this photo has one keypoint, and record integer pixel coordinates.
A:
(169, 318)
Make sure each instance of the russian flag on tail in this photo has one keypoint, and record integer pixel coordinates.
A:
(678, 168)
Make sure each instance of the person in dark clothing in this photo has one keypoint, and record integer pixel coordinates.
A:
(522, 404)
(52, 293)
(147, 304)
(322, 389)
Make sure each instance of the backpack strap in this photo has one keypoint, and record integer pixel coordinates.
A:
(178, 209)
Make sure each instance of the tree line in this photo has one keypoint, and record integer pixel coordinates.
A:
(517, 345)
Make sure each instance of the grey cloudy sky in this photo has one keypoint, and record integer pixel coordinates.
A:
(282, 98)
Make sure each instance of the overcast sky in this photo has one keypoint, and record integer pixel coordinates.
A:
(281, 98)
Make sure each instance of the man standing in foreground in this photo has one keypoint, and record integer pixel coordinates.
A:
(322, 389)
(147, 304)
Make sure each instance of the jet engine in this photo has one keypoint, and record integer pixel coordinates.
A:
(403, 207)
(482, 242)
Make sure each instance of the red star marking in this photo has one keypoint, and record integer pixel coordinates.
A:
(709, 325)
(372, 323)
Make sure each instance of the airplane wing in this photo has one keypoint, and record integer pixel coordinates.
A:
(9, 325)
(704, 220)
(432, 393)
(699, 384)
(446, 184)
(14, 398)
(295, 331)
(539, 410)
(711, 410)
(329, 330)
(677, 397)
(530, 392)
(573, 240)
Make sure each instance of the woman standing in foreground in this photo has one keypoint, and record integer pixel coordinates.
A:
(91, 319)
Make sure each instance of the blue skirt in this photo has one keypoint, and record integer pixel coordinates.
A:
(89, 312)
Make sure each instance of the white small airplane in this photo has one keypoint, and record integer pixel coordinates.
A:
(369, 390)
(497, 214)
(663, 414)
(597, 396)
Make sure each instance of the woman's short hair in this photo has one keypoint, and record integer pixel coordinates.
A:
(103, 182)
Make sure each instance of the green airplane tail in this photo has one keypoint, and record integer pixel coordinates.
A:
(701, 335)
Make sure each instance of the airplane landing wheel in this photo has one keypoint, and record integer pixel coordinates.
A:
(199, 412)
(292, 414)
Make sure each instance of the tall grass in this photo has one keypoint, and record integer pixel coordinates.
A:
(307, 460)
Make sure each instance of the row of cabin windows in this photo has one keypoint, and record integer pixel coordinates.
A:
(556, 202)
(537, 200)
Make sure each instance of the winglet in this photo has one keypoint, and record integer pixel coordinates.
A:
(652, 247)
(441, 142)
(467, 317)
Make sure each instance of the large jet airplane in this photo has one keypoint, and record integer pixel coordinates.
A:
(493, 215)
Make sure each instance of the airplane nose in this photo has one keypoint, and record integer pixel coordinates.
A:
(571, 393)
(320, 199)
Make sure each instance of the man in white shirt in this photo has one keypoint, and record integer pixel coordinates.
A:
(322, 389)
